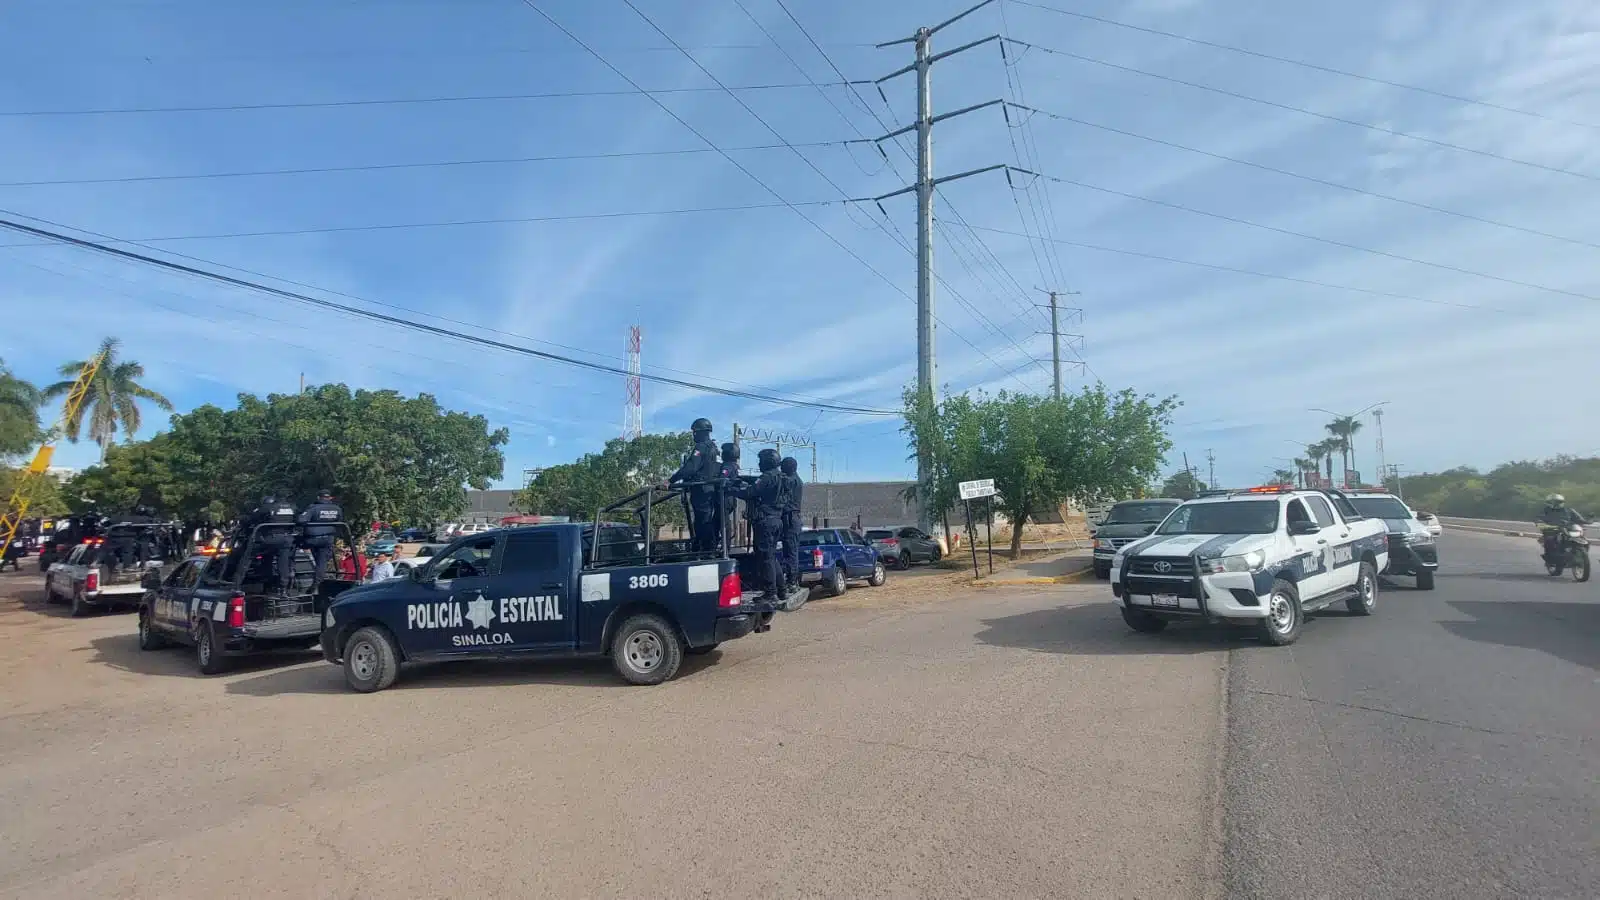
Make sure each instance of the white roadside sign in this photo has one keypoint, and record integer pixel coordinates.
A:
(972, 490)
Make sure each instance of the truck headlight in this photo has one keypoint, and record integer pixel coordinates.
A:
(1417, 537)
(1244, 562)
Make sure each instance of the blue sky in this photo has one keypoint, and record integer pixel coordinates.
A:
(1476, 370)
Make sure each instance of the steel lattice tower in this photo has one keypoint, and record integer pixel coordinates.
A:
(633, 410)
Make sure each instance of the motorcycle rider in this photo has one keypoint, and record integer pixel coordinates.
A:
(1556, 518)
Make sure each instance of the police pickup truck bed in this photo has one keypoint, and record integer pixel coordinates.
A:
(1264, 557)
(229, 605)
(89, 578)
(541, 591)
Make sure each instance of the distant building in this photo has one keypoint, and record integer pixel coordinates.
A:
(62, 474)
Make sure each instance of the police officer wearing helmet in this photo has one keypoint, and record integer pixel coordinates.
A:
(728, 473)
(699, 473)
(1556, 517)
(276, 539)
(765, 498)
(317, 531)
(793, 488)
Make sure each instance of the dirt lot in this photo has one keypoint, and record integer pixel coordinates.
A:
(919, 740)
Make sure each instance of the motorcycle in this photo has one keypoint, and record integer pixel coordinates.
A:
(1565, 549)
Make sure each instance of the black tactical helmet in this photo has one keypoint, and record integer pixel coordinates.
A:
(789, 465)
(767, 459)
(730, 451)
(324, 495)
(268, 500)
(701, 425)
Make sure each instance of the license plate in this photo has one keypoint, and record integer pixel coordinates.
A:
(1168, 600)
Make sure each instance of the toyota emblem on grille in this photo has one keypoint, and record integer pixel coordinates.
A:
(1163, 567)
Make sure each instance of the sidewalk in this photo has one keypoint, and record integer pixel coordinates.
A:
(1057, 568)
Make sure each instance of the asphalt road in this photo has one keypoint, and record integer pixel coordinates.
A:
(1447, 747)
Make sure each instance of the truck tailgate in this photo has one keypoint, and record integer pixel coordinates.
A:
(303, 626)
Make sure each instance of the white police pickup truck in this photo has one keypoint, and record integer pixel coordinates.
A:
(1264, 557)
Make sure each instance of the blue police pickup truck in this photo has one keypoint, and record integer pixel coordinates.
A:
(544, 591)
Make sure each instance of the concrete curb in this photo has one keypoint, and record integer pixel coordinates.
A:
(1068, 578)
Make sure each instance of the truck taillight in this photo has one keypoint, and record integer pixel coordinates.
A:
(236, 611)
(91, 581)
(893, 542)
(816, 558)
(732, 593)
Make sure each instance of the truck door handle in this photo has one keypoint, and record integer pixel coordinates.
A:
(551, 586)
(1321, 541)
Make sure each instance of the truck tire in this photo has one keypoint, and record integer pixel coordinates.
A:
(837, 584)
(1284, 616)
(646, 650)
(371, 662)
(148, 638)
(206, 656)
(903, 561)
(1102, 572)
(1425, 580)
(1365, 599)
(1143, 622)
(879, 574)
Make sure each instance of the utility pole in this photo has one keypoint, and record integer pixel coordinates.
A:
(1377, 416)
(1056, 334)
(1211, 461)
(302, 382)
(927, 371)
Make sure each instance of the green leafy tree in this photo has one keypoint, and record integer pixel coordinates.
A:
(1182, 485)
(579, 488)
(19, 413)
(44, 494)
(383, 455)
(112, 402)
(1085, 447)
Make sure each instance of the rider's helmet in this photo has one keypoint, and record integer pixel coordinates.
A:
(1555, 501)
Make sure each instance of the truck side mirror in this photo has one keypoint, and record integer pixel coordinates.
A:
(1304, 527)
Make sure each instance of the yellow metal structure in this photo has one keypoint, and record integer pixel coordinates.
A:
(21, 493)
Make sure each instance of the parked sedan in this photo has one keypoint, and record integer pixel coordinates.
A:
(900, 546)
(424, 553)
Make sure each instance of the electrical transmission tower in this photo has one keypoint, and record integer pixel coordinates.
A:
(924, 188)
(1074, 341)
(633, 409)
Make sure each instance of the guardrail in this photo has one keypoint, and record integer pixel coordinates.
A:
(1495, 526)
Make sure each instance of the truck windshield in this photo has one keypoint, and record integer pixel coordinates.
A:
(1137, 513)
(1231, 517)
(1380, 507)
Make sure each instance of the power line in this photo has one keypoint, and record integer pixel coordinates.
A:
(379, 167)
(399, 101)
(517, 220)
(1475, 101)
(1309, 282)
(1446, 267)
(751, 175)
(1310, 178)
(220, 278)
(422, 51)
(1303, 111)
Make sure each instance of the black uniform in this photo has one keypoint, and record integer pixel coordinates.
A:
(793, 487)
(278, 542)
(765, 499)
(699, 472)
(728, 474)
(318, 532)
(127, 545)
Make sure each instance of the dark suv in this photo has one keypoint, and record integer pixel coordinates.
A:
(1412, 548)
(1127, 522)
(901, 546)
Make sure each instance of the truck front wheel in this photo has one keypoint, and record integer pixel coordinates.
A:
(371, 662)
(646, 650)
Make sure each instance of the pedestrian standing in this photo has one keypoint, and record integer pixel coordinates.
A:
(383, 569)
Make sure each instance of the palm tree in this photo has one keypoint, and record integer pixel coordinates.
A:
(110, 405)
(1302, 465)
(1322, 451)
(1283, 476)
(19, 412)
(1343, 429)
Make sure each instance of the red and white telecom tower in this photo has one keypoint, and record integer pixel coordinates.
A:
(633, 410)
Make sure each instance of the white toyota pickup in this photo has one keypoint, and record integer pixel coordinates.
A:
(89, 577)
(1264, 557)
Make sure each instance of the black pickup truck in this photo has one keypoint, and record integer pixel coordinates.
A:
(228, 604)
(548, 591)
